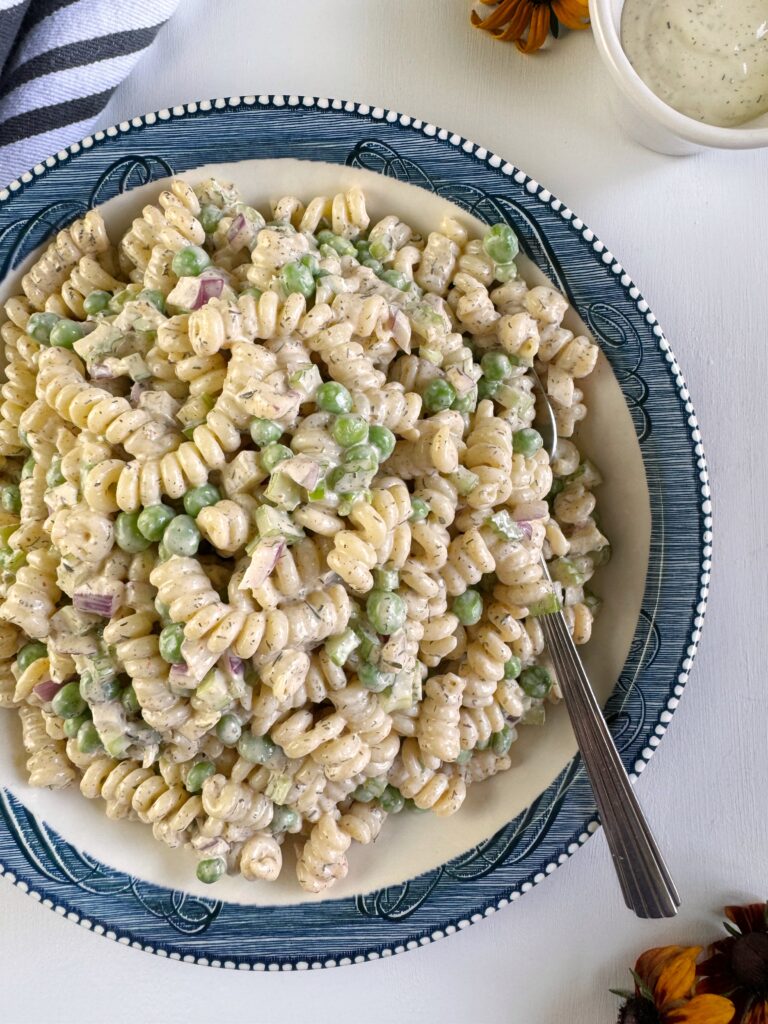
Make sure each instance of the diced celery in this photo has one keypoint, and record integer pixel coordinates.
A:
(546, 606)
(283, 491)
(535, 715)
(278, 787)
(273, 522)
(213, 692)
(503, 523)
(464, 480)
(514, 399)
(601, 557)
(565, 571)
(587, 474)
(404, 692)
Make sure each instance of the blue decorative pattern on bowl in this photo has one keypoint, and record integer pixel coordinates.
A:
(497, 871)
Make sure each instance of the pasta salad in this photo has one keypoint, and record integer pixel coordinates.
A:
(273, 513)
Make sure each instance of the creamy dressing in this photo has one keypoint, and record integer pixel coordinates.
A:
(706, 58)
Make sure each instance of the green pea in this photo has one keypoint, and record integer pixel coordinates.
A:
(96, 302)
(130, 701)
(372, 678)
(68, 703)
(374, 265)
(152, 521)
(40, 325)
(119, 299)
(439, 394)
(501, 243)
(88, 739)
(419, 510)
(273, 455)
(10, 499)
(256, 749)
(535, 681)
(465, 756)
(171, 639)
(362, 456)
(396, 279)
(468, 607)
(513, 667)
(65, 333)
(349, 429)
(502, 741)
(296, 277)
(384, 440)
(337, 243)
(209, 218)
(506, 271)
(163, 553)
(487, 388)
(386, 611)
(255, 293)
(386, 579)
(410, 805)
(557, 485)
(72, 725)
(526, 442)
(229, 730)
(54, 477)
(29, 653)
(333, 397)
(466, 403)
(370, 790)
(190, 261)
(392, 800)
(284, 819)
(496, 365)
(28, 468)
(127, 535)
(181, 537)
(211, 869)
(199, 498)
(197, 775)
(154, 298)
(12, 561)
(363, 247)
(264, 432)
(98, 689)
(311, 263)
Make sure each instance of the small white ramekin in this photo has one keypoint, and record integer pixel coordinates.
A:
(647, 118)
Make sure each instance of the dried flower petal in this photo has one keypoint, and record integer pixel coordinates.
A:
(702, 1010)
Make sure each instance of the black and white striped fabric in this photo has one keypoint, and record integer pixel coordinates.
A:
(60, 61)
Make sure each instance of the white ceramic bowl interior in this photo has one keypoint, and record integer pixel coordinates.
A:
(410, 844)
(647, 118)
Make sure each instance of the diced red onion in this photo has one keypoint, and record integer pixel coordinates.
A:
(265, 557)
(136, 392)
(47, 690)
(97, 604)
(211, 287)
(99, 371)
(303, 470)
(235, 665)
(528, 510)
(241, 233)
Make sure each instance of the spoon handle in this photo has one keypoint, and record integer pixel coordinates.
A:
(643, 876)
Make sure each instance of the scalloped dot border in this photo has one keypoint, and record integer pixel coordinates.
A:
(587, 235)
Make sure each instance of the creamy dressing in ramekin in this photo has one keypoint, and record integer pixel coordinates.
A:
(707, 59)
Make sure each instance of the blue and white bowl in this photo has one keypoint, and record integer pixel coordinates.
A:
(426, 877)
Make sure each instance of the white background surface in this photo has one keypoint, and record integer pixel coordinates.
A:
(692, 233)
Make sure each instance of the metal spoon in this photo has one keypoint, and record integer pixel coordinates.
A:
(645, 881)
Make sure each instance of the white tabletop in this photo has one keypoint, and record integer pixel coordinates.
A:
(692, 233)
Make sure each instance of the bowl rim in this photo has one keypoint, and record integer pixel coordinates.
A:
(26, 843)
(641, 96)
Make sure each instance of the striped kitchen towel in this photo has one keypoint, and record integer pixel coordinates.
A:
(60, 61)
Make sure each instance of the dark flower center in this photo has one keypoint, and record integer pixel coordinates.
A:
(749, 961)
(638, 1011)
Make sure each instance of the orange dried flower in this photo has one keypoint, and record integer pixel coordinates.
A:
(510, 19)
(664, 991)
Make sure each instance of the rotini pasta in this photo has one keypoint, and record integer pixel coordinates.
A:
(273, 515)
